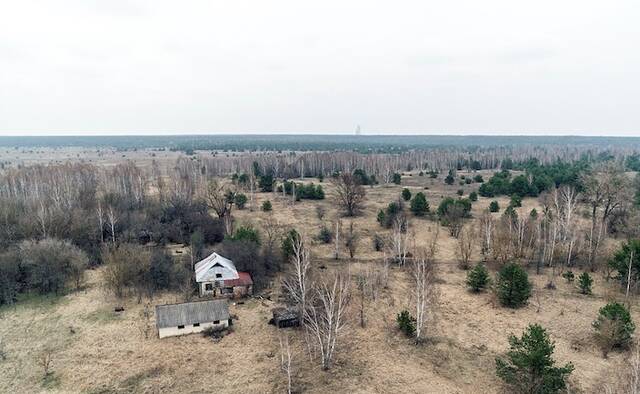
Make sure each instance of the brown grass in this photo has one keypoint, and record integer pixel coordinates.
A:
(96, 350)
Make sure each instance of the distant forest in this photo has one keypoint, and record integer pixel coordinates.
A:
(286, 142)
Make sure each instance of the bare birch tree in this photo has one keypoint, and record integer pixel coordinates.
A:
(424, 291)
(325, 317)
(286, 359)
(400, 239)
(297, 282)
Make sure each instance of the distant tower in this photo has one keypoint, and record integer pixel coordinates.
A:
(358, 130)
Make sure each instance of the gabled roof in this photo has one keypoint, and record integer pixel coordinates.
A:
(174, 315)
(203, 267)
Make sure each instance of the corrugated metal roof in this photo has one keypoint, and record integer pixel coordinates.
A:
(174, 315)
(213, 264)
(244, 279)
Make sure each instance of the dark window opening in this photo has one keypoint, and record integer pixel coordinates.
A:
(196, 324)
(180, 327)
(216, 322)
(218, 275)
(208, 287)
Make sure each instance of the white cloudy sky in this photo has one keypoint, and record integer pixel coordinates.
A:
(458, 66)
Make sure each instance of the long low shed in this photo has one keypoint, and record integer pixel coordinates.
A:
(190, 317)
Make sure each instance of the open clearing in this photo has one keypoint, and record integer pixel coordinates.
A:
(98, 351)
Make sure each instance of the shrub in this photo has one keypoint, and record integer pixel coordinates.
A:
(629, 251)
(478, 178)
(378, 242)
(266, 183)
(460, 192)
(287, 244)
(266, 206)
(529, 366)
(397, 179)
(240, 200)
(387, 217)
(516, 201)
(419, 204)
(406, 194)
(513, 286)
(494, 207)
(406, 323)
(450, 178)
(50, 264)
(473, 196)
(326, 236)
(613, 326)
(246, 233)
(585, 282)
(478, 278)
(569, 276)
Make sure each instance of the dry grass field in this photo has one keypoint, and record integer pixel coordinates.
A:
(98, 351)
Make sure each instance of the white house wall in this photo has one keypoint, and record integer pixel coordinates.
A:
(190, 329)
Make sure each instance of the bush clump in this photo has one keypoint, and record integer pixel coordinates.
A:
(529, 367)
(513, 286)
(585, 282)
(614, 327)
(325, 236)
(419, 205)
(569, 276)
(406, 323)
(478, 278)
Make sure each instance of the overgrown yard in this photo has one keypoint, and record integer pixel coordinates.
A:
(94, 349)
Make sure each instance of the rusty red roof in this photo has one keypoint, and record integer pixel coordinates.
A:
(243, 280)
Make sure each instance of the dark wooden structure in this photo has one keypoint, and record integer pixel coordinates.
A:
(283, 317)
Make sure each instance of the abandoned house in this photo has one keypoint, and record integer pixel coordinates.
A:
(283, 317)
(217, 276)
(190, 317)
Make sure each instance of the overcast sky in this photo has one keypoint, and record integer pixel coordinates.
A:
(405, 67)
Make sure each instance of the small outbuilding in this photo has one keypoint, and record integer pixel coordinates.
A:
(191, 317)
(217, 276)
(283, 317)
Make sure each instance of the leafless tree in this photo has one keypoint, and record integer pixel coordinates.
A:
(351, 240)
(286, 359)
(454, 217)
(606, 190)
(112, 217)
(220, 199)
(424, 291)
(486, 232)
(400, 240)
(45, 359)
(100, 216)
(349, 193)
(298, 282)
(272, 231)
(145, 320)
(325, 316)
(628, 381)
(336, 240)
(466, 240)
